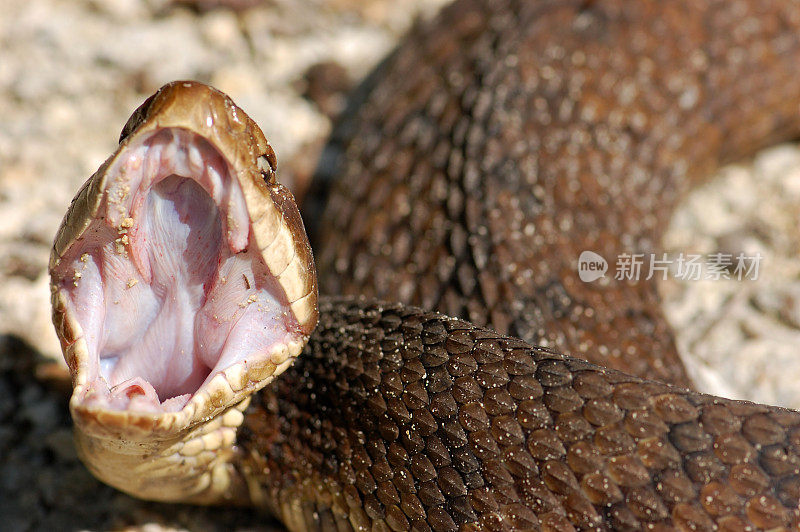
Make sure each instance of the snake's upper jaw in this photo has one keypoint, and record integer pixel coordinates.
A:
(182, 279)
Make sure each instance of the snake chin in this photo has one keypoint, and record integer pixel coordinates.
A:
(163, 289)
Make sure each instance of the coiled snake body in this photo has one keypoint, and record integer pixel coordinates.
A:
(495, 145)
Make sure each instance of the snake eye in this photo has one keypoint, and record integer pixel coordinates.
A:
(268, 164)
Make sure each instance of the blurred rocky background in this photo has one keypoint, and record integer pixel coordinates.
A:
(71, 73)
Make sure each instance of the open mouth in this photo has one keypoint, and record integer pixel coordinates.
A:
(166, 284)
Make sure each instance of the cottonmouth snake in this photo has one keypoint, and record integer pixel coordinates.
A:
(493, 146)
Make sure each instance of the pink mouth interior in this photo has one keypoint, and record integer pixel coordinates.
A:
(164, 284)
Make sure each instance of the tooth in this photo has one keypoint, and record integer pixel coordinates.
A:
(215, 182)
(238, 221)
(195, 160)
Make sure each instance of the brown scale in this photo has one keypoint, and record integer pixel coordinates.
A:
(498, 142)
(396, 418)
(506, 137)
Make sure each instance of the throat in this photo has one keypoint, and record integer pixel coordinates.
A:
(177, 250)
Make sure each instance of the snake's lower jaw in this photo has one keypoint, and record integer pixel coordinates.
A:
(182, 281)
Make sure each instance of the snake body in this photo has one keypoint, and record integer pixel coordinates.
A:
(498, 142)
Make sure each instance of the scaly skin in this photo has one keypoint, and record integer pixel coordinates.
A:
(498, 142)
(493, 148)
(395, 417)
(489, 151)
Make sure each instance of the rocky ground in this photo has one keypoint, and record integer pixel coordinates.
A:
(741, 339)
(70, 74)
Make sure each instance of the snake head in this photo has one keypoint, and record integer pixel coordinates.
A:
(182, 281)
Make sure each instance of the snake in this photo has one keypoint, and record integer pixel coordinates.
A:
(459, 376)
